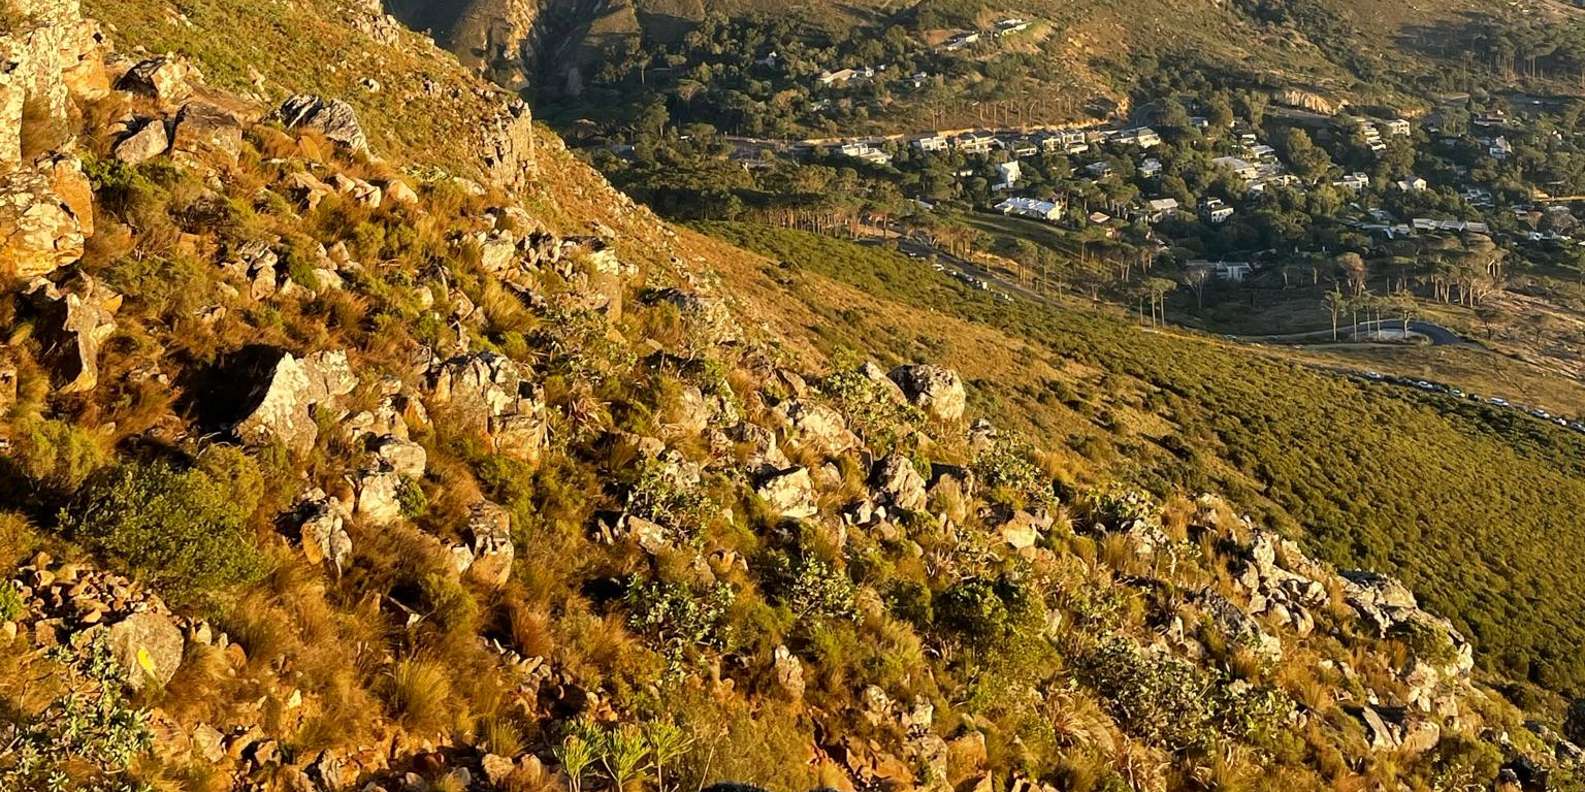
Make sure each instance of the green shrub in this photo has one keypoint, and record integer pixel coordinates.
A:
(11, 605)
(813, 588)
(185, 531)
(978, 610)
(680, 619)
(55, 455)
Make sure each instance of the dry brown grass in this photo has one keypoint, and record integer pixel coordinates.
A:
(419, 694)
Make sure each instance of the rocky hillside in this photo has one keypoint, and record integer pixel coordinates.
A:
(340, 457)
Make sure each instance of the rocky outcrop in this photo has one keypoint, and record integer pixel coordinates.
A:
(1307, 100)
(507, 147)
(76, 320)
(322, 528)
(163, 79)
(39, 231)
(935, 390)
(285, 400)
(207, 132)
(898, 483)
(332, 118)
(490, 542)
(486, 394)
(143, 144)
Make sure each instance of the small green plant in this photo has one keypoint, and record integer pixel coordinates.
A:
(666, 742)
(11, 605)
(412, 501)
(813, 588)
(86, 738)
(576, 753)
(680, 619)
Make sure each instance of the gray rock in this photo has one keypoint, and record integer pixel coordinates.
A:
(39, 231)
(79, 320)
(204, 130)
(148, 647)
(333, 118)
(284, 402)
(790, 493)
(898, 483)
(379, 496)
(162, 79)
(490, 531)
(323, 529)
(148, 142)
(407, 458)
(937, 391)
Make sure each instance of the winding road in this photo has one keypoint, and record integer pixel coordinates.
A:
(1438, 335)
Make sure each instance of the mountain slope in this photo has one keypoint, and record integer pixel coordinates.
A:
(428, 467)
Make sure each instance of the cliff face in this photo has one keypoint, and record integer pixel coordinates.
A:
(521, 45)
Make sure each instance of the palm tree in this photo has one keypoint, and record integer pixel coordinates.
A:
(1336, 303)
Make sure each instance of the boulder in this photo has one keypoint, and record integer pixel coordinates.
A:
(323, 529)
(507, 147)
(149, 141)
(397, 193)
(148, 648)
(935, 390)
(162, 79)
(77, 322)
(206, 131)
(1238, 627)
(70, 184)
(898, 482)
(1024, 530)
(333, 118)
(818, 426)
(490, 534)
(407, 458)
(380, 496)
(497, 251)
(790, 493)
(39, 231)
(788, 673)
(709, 316)
(284, 401)
(486, 393)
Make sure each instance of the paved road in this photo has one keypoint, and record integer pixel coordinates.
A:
(1438, 335)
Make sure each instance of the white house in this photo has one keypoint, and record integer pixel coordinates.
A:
(1149, 168)
(1031, 208)
(1007, 175)
(865, 152)
(1412, 184)
(1239, 167)
(930, 143)
(1234, 271)
(1143, 137)
(974, 142)
(1215, 211)
(1159, 209)
(1099, 169)
(1353, 182)
(1398, 127)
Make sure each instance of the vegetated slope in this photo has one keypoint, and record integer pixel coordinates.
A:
(1076, 51)
(1474, 505)
(327, 467)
